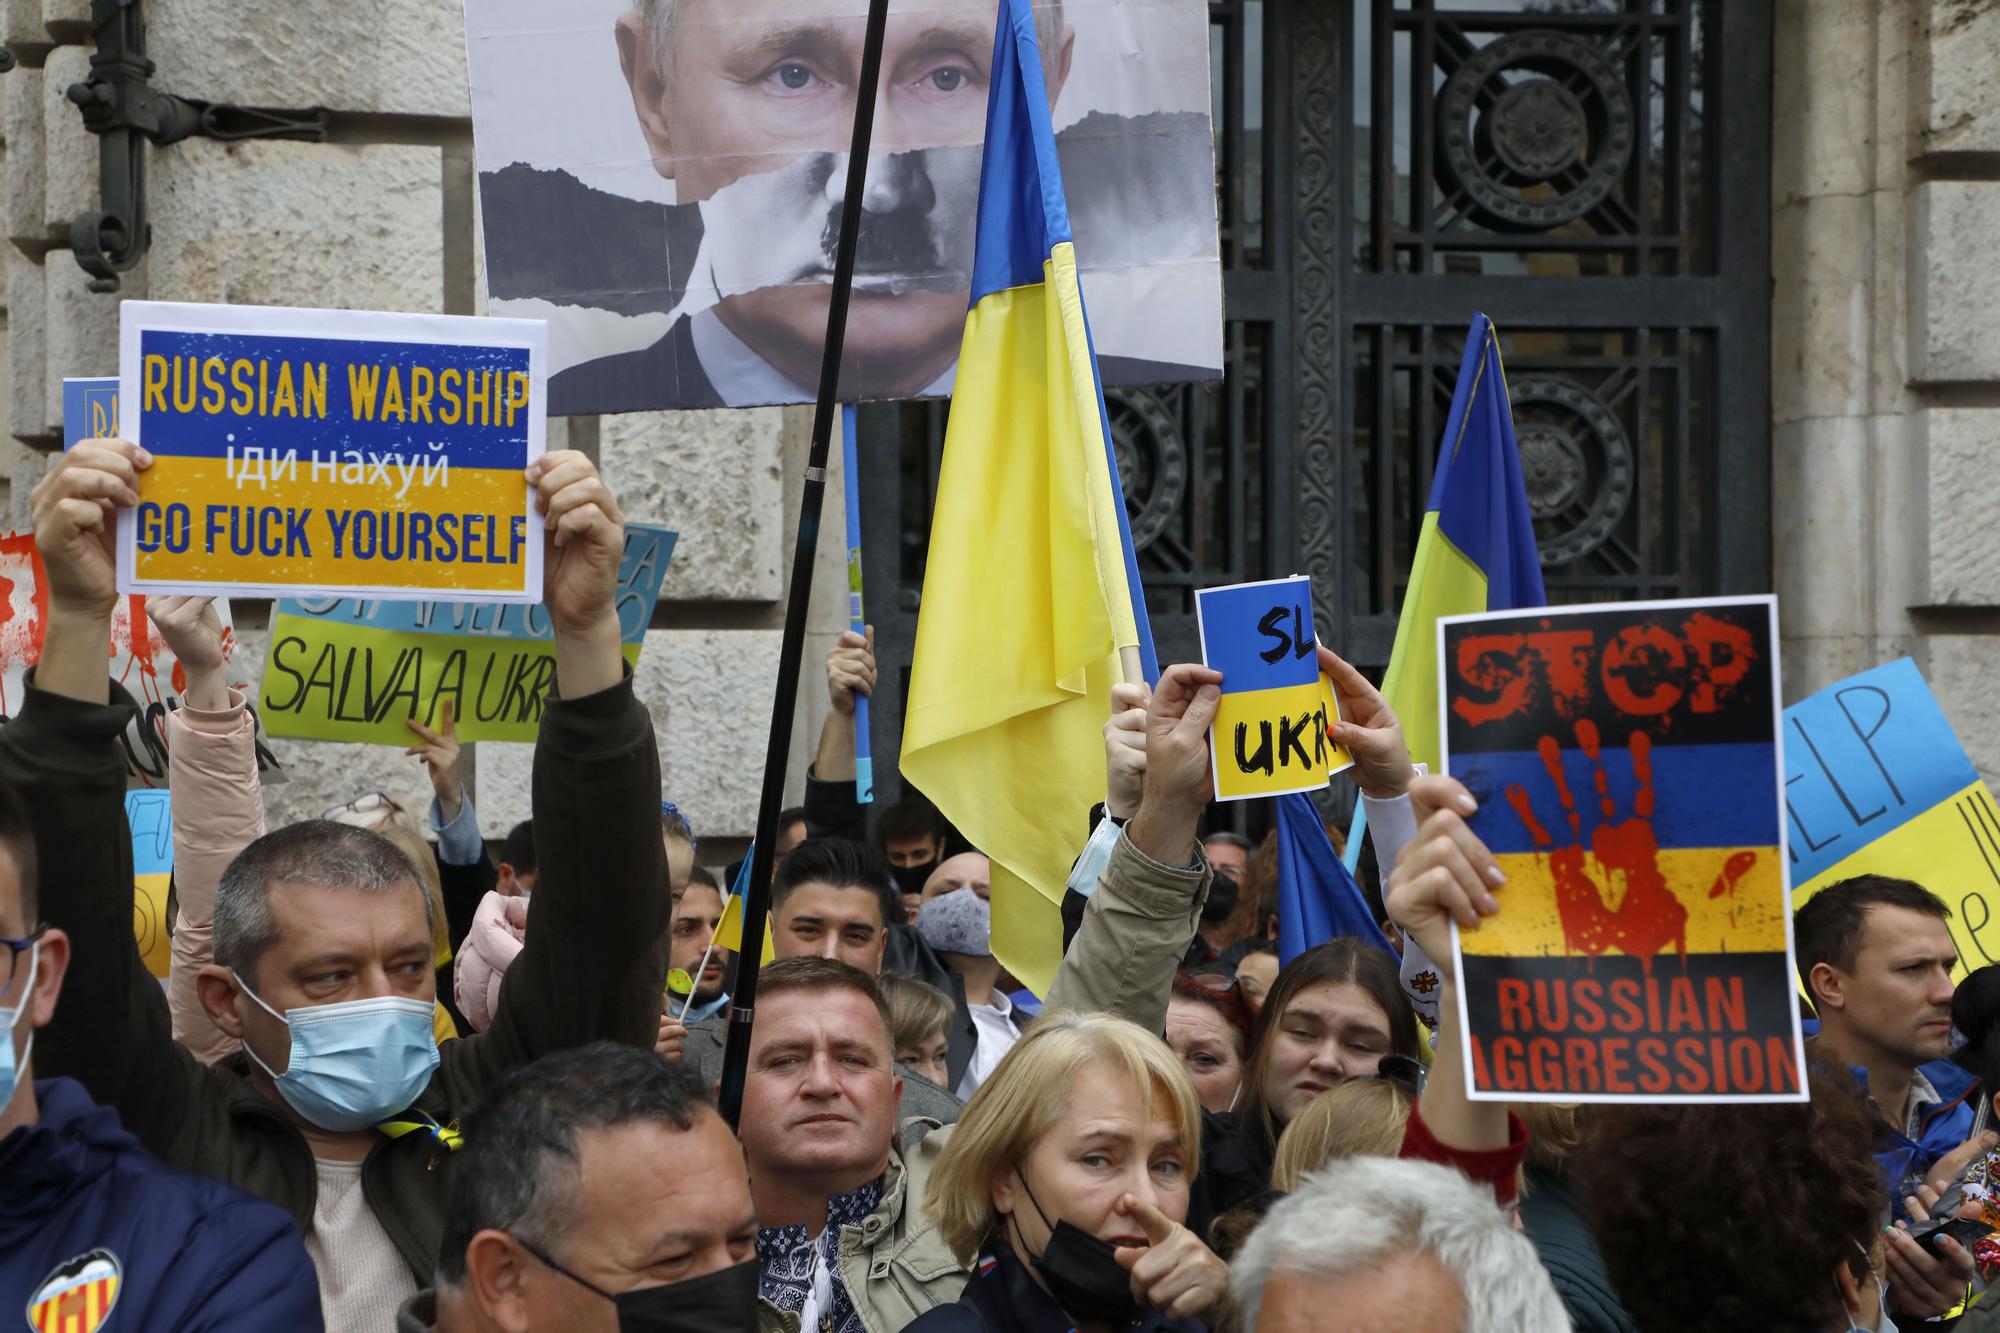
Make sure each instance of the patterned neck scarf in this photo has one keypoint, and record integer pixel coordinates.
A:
(787, 1258)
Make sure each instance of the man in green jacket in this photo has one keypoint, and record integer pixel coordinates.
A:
(340, 1109)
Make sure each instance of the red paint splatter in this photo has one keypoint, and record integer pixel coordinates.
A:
(1735, 868)
(1649, 917)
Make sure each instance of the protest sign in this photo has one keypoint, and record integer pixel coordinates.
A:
(90, 409)
(672, 211)
(1876, 783)
(1626, 761)
(345, 670)
(139, 660)
(331, 451)
(1272, 731)
(148, 814)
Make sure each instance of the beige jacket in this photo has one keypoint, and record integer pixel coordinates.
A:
(894, 1265)
(1135, 932)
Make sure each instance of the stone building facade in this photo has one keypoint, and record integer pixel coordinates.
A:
(1885, 342)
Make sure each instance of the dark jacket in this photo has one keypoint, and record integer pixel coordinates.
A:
(1003, 1298)
(1554, 1221)
(593, 967)
(909, 954)
(1236, 1161)
(77, 1196)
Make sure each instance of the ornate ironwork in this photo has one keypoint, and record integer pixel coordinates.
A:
(1152, 460)
(1384, 170)
(1538, 153)
(124, 111)
(1577, 461)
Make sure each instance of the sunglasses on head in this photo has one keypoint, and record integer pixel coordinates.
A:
(1406, 1072)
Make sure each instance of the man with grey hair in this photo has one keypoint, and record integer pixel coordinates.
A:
(598, 1189)
(1391, 1244)
(340, 1107)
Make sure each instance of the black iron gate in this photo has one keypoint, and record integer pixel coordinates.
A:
(1593, 174)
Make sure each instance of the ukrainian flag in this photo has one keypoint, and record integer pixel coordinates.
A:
(1477, 548)
(1476, 551)
(1031, 607)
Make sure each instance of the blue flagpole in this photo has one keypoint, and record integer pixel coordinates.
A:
(864, 759)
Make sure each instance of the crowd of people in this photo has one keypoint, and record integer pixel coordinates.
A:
(394, 1081)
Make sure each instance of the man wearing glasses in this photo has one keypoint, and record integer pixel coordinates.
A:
(340, 1107)
(88, 1221)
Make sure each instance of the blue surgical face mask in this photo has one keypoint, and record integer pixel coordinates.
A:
(354, 1063)
(10, 1067)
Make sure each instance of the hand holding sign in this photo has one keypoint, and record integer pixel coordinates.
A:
(1445, 874)
(75, 507)
(1177, 782)
(586, 539)
(1368, 730)
(1274, 730)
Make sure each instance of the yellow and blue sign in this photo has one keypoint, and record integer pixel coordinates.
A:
(1876, 783)
(149, 816)
(342, 452)
(340, 669)
(1272, 730)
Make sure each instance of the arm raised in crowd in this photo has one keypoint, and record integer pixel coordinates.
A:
(1147, 903)
(62, 754)
(832, 810)
(218, 804)
(1447, 875)
(594, 962)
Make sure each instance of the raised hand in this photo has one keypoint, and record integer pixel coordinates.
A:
(1444, 874)
(75, 513)
(585, 545)
(1125, 750)
(1178, 782)
(1368, 730)
(194, 632)
(440, 750)
(850, 669)
(1649, 916)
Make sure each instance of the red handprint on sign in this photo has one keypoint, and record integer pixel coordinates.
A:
(1648, 917)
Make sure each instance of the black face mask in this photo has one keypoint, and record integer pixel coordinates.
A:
(1082, 1272)
(724, 1301)
(910, 879)
(1223, 893)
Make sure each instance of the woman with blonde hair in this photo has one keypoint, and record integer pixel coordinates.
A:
(1363, 1117)
(1065, 1184)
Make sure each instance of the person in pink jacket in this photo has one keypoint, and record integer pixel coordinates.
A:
(218, 808)
(218, 805)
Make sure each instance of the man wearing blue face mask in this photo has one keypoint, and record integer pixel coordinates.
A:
(82, 1206)
(340, 1107)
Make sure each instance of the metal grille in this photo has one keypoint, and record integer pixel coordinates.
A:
(1593, 174)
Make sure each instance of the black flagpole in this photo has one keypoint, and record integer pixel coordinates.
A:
(757, 900)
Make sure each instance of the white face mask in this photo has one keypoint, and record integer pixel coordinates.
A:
(1883, 1324)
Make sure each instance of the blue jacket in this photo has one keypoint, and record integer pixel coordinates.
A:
(1906, 1161)
(84, 1208)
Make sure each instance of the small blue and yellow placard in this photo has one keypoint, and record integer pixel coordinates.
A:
(1272, 731)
